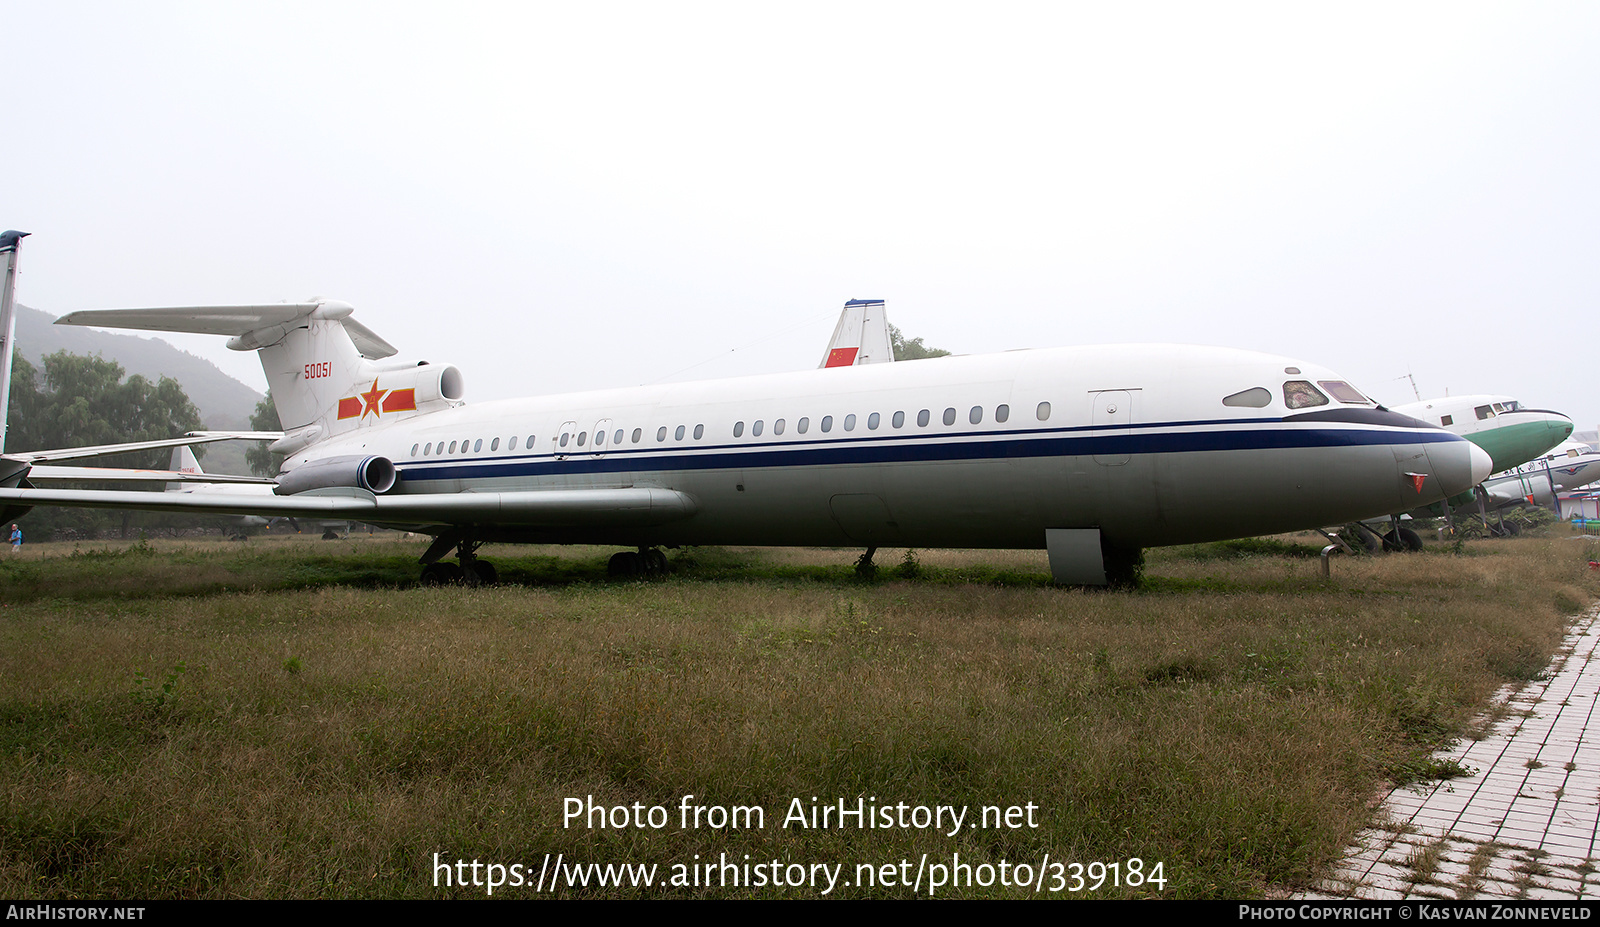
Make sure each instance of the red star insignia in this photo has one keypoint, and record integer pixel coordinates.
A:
(372, 398)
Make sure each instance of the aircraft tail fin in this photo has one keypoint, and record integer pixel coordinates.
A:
(183, 461)
(861, 337)
(321, 365)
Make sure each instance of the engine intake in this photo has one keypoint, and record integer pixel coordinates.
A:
(374, 474)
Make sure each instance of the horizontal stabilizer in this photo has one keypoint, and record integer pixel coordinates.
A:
(251, 327)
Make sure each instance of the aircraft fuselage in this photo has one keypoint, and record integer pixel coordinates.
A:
(975, 451)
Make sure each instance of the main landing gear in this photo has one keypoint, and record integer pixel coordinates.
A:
(648, 562)
(468, 570)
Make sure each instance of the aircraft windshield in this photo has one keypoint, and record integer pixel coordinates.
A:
(1344, 392)
(1300, 394)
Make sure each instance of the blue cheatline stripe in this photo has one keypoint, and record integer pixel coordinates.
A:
(913, 450)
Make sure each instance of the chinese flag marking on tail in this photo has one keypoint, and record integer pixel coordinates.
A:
(842, 357)
(400, 400)
(350, 407)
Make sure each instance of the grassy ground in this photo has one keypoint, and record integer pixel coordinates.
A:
(300, 719)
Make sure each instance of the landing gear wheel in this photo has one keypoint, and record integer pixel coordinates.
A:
(626, 565)
(485, 573)
(1364, 539)
(441, 574)
(655, 562)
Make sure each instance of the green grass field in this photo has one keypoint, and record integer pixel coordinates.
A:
(295, 719)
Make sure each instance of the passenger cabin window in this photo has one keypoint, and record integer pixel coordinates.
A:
(477, 445)
(975, 415)
(899, 420)
(1255, 398)
(452, 447)
(950, 416)
(512, 444)
(755, 430)
(738, 429)
(528, 443)
(1300, 394)
(1447, 420)
(1043, 412)
(637, 434)
(678, 434)
(922, 418)
(494, 445)
(661, 433)
(1002, 413)
(699, 432)
(850, 422)
(617, 438)
(414, 450)
(777, 427)
(803, 425)
(827, 423)
(582, 437)
(872, 422)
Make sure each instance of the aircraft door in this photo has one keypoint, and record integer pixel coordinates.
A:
(601, 440)
(565, 443)
(1112, 407)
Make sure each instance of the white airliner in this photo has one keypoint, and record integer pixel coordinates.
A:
(1089, 452)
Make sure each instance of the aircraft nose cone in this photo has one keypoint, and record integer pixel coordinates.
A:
(1482, 464)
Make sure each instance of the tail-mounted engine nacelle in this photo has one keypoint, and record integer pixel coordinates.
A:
(374, 474)
(415, 387)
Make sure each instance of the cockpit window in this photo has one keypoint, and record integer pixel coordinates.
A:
(1344, 392)
(1300, 394)
(1255, 398)
(1484, 412)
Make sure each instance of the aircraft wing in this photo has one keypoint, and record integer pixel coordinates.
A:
(100, 450)
(558, 508)
(48, 474)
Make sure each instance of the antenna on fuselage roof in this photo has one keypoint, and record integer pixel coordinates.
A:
(1414, 390)
(9, 241)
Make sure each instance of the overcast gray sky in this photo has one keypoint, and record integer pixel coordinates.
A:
(559, 196)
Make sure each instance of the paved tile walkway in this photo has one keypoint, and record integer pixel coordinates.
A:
(1524, 826)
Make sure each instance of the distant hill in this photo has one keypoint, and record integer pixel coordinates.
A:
(223, 402)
